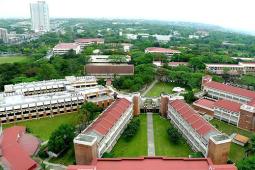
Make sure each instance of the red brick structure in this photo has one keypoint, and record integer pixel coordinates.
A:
(108, 70)
(247, 117)
(204, 106)
(136, 104)
(164, 100)
(85, 152)
(218, 149)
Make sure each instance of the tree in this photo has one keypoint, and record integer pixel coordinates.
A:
(61, 138)
(174, 135)
(189, 97)
(131, 129)
(246, 164)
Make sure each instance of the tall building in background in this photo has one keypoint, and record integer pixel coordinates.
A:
(40, 16)
(4, 35)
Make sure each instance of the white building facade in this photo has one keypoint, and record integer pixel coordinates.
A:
(40, 16)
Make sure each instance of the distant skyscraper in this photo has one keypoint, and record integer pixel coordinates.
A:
(40, 16)
(4, 35)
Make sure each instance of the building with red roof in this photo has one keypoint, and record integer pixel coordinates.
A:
(192, 125)
(83, 42)
(63, 48)
(166, 51)
(235, 105)
(153, 163)
(204, 106)
(223, 91)
(17, 147)
(101, 135)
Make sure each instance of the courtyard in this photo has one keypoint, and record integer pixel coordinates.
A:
(138, 145)
(42, 128)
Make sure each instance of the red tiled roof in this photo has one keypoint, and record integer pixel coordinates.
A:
(200, 125)
(66, 46)
(152, 163)
(205, 103)
(161, 50)
(88, 40)
(177, 63)
(110, 116)
(95, 69)
(228, 105)
(231, 89)
(17, 148)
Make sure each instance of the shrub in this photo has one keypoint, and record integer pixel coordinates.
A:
(174, 135)
(131, 129)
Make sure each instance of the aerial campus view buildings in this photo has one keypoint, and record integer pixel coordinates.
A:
(38, 100)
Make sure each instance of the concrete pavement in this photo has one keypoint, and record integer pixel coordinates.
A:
(150, 135)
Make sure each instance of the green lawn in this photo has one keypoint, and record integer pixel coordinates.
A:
(12, 59)
(229, 129)
(67, 158)
(43, 127)
(160, 87)
(236, 151)
(137, 146)
(163, 147)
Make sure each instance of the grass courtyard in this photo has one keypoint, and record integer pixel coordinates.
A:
(236, 152)
(42, 128)
(137, 146)
(159, 88)
(13, 59)
(163, 147)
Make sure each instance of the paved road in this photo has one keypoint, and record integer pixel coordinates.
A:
(150, 135)
(148, 89)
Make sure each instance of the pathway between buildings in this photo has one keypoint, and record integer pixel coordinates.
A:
(148, 89)
(150, 135)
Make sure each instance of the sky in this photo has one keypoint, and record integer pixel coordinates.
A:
(236, 14)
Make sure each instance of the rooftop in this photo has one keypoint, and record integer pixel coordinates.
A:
(228, 105)
(231, 89)
(17, 147)
(109, 117)
(66, 46)
(89, 40)
(152, 163)
(205, 103)
(161, 50)
(200, 125)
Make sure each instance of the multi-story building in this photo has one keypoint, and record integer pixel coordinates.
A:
(102, 134)
(64, 48)
(42, 99)
(108, 70)
(223, 91)
(4, 35)
(167, 52)
(84, 42)
(40, 16)
(233, 69)
(227, 103)
(109, 59)
(153, 163)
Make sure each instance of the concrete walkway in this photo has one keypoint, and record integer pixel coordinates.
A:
(150, 135)
(149, 88)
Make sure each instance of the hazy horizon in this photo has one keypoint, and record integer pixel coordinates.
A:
(236, 14)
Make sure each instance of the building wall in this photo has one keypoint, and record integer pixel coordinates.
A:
(85, 154)
(218, 152)
(247, 120)
(203, 110)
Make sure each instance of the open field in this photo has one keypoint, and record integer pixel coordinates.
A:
(13, 59)
(42, 128)
(236, 152)
(163, 147)
(160, 87)
(137, 146)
